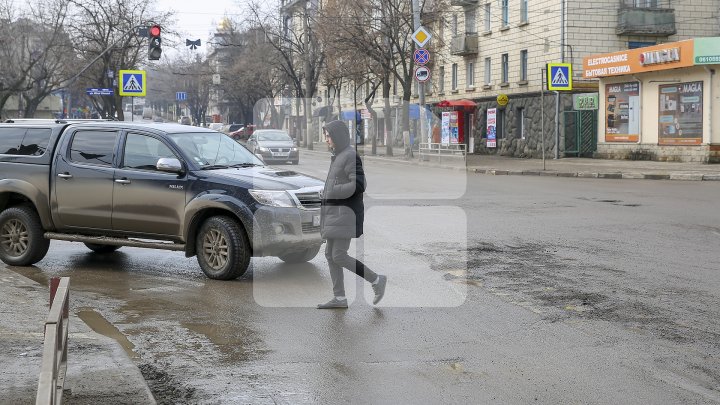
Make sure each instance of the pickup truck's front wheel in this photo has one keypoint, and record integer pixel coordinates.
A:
(21, 236)
(223, 250)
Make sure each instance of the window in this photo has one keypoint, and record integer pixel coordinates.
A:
(441, 80)
(454, 25)
(442, 27)
(642, 3)
(505, 68)
(470, 75)
(488, 71)
(454, 76)
(523, 65)
(524, 11)
(470, 24)
(500, 126)
(142, 152)
(488, 18)
(505, 13)
(24, 141)
(93, 147)
(520, 124)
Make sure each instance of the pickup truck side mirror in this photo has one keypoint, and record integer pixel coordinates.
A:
(170, 165)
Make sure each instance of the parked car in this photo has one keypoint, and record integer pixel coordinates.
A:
(216, 126)
(228, 128)
(243, 133)
(109, 184)
(274, 145)
(185, 120)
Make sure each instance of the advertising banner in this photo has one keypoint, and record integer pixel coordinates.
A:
(665, 56)
(492, 128)
(445, 129)
(681, 114)
(622, 112)
(454, 129)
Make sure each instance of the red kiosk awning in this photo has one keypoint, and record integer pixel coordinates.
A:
(462, 104)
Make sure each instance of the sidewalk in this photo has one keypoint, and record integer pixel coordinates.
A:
(564, 167)
(99, 370)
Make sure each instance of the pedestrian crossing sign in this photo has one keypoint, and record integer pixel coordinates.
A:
(132, 83)
(559, 76)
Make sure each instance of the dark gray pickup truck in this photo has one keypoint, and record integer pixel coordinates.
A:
(163, 186)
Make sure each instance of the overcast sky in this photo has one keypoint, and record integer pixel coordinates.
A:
(197, 19)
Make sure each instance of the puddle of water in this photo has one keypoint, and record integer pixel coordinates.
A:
(99, 324)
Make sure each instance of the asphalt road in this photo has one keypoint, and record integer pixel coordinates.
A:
(501, 290)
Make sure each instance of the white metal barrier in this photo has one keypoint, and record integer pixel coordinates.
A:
(54, 360)
(457, 149)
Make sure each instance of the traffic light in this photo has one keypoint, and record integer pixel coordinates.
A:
(154, 49)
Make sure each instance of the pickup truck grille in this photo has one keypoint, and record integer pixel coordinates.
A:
(308, 227)
(309, 200)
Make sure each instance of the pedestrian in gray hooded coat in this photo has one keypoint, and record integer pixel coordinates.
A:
(343, 214)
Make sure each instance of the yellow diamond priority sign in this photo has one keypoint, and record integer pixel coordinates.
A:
(421, 36)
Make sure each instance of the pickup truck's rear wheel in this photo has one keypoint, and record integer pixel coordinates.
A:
(21, 236)
(223, 250)
(301, 256)
(99, 248)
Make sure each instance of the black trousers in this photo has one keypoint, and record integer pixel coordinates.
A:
(336, 252)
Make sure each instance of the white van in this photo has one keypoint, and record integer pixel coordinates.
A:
(147, 113)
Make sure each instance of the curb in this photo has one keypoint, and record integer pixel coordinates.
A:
(615, 175)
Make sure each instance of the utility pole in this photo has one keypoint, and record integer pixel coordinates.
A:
(307, 44)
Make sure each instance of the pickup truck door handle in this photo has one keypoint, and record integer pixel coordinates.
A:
(65, 175)
(122, 181)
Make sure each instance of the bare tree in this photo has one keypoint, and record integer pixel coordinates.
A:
(300, 55)
(33, 51)
(380, 31)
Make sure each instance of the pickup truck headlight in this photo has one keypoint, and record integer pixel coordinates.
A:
(263, 149)
(272, 198)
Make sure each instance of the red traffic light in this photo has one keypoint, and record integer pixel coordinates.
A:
(154, 31)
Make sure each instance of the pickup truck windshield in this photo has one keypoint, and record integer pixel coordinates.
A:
(208, 149)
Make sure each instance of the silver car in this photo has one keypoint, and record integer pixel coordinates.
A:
(274, 146)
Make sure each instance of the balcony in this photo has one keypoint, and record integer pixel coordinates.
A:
(463, 3)
(655, 22)
(464, 45)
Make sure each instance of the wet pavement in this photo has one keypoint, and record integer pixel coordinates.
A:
(524, 289)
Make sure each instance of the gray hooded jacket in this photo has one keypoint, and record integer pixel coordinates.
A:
(343, 211)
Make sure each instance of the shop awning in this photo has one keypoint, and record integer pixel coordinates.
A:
(464, 104)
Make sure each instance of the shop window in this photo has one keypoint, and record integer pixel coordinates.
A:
(520, 122)
(500, 123)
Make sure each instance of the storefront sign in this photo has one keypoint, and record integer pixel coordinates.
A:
(707, 51)
(653, 58)
(492, 128)
(622, 112)
(586, 101)
(681, 114)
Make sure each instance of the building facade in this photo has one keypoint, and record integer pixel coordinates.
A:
(487, 49)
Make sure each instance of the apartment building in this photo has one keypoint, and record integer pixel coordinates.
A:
(500, 47)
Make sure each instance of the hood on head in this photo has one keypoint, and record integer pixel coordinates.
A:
(339, 134)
